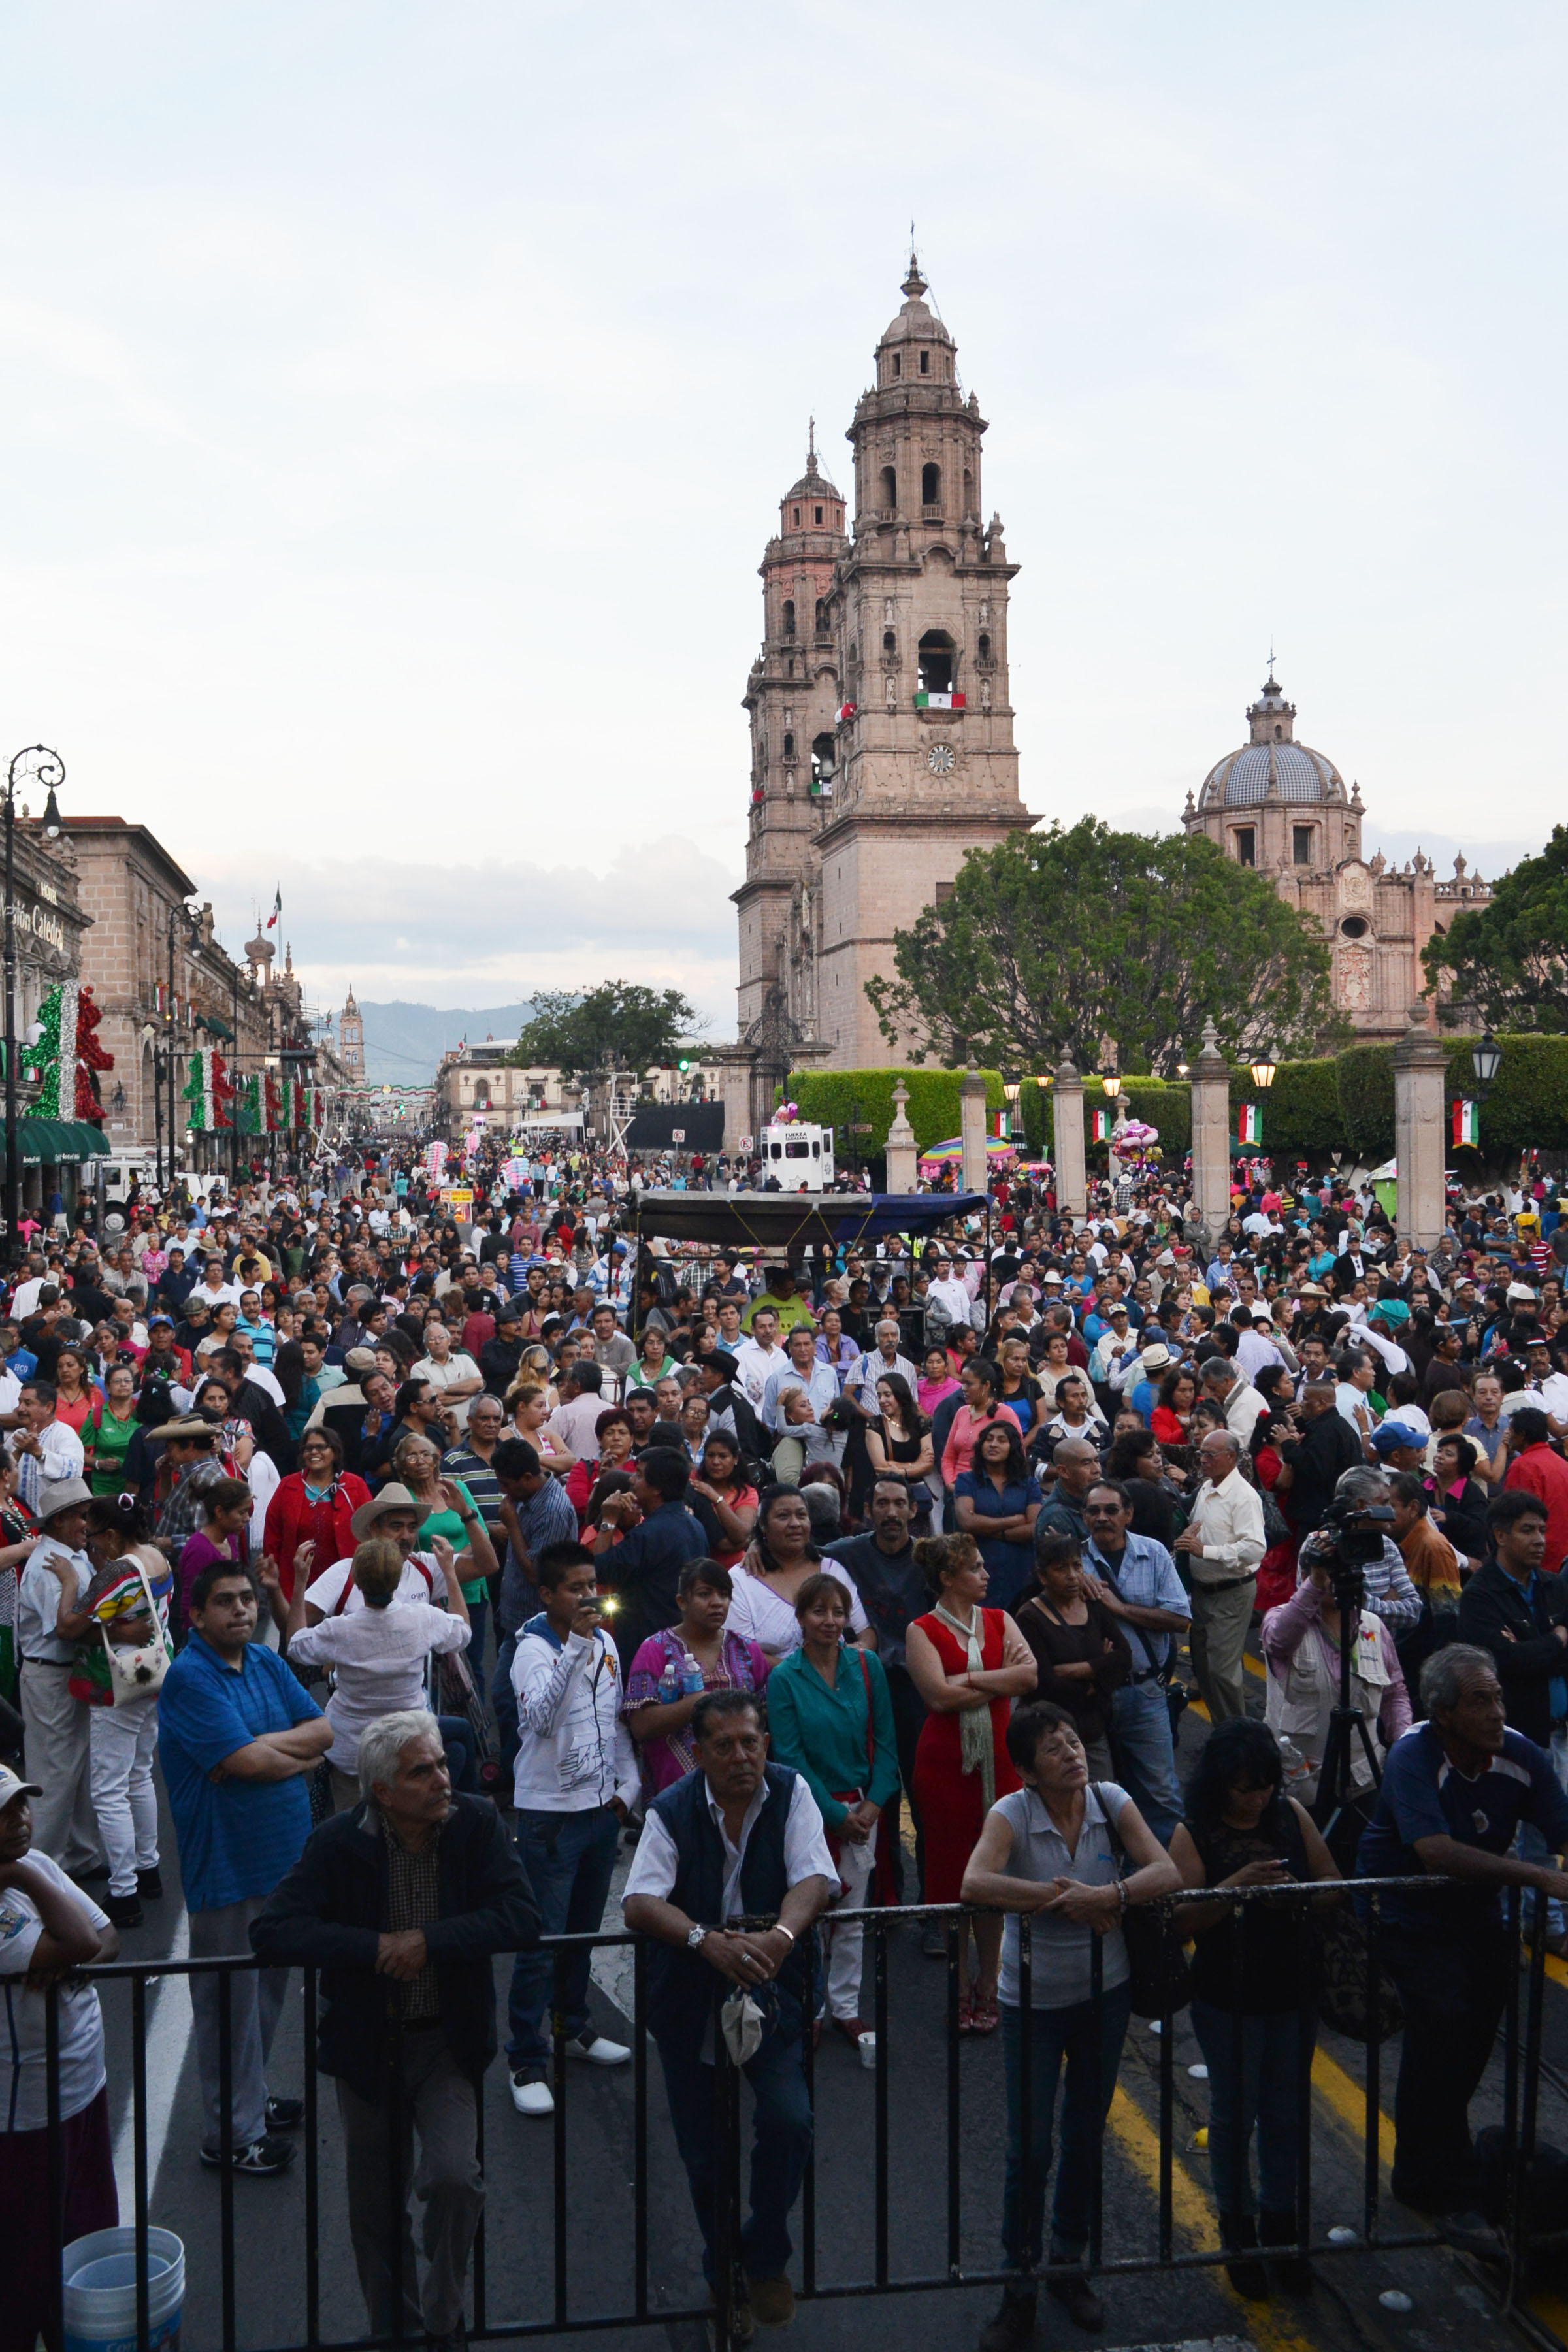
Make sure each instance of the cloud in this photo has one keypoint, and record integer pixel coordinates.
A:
(491, 931)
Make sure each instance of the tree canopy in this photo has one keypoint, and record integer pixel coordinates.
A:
(1082, 940)
(620, 1025)
(1508, 960)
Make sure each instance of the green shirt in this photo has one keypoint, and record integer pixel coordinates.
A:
(450, 1525)
(790, 1311)
(822, 1732)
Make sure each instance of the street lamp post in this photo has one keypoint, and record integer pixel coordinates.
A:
(191, 915)
(37, 765)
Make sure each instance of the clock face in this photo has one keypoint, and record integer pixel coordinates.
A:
(939, 758)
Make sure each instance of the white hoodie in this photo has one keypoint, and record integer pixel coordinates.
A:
(574, 1752)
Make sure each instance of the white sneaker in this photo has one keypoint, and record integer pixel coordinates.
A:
(530, 2096)
(599, 2051)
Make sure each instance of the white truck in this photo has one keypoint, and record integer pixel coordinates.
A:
(800, 1155)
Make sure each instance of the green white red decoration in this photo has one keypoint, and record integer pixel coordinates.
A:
(1250, 1125)
(939, 701)
(68, 1054)
(1001, 1123)
(271, 1104)
(209, 1089)
(248, 1106)
(1467, 1122)
(1101, 1126)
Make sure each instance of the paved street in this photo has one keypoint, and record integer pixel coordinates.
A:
(1450, 2308)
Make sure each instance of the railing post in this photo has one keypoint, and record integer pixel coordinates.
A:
(139, 2144)
(558, 2056)
(1169, 1941)
(57, 2158)
(312, 2181)
(1373, 2123)
(639, 2126)
(879, 2098)
(226, 2144)
(1027, 2262)
(953, 1930)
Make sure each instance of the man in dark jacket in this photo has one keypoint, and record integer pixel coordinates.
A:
(1511, 1609)
(738, 1839)
(1317, 1460)
(401, 1904)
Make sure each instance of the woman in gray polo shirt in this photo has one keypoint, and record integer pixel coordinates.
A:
(1055, 1849)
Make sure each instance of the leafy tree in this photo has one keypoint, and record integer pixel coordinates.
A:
(1509, 959)
(1085, 940)
(620, 1025)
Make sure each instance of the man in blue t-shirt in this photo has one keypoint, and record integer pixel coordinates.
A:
(236, 1736)
(1455, 1791)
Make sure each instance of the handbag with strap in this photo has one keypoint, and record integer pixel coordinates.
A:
(1158, 1977)
(137, 1673)
(883, 1879)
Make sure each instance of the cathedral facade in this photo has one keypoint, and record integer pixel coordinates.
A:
(1278, 805)
(881, 727)
(882, 750)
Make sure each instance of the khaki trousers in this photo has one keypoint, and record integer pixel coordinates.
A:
(1221, 1617)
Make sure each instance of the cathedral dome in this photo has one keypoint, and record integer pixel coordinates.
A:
(814, 484)
(1272, 762)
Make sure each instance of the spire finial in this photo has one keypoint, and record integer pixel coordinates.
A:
(811, 445)
(914, 285)
(1271, 662)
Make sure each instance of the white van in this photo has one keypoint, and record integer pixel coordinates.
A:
(800, 1156)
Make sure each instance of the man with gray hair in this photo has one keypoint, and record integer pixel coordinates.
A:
(1224, 1541)
(860, 1381)
(402, 1903)
(1386, 1588)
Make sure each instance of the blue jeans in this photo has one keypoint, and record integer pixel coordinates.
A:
(569, 1858)
(462, 1756)
(1145, 1755)
(781, 2143)
(1091, 2059)
(1267, 2100)
(479, 1619)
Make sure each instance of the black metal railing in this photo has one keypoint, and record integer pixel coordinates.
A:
(1523, 2074)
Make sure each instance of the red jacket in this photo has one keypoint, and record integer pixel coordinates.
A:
(1542, 1471)
(292, 1520)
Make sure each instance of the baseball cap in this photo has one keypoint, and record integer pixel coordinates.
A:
(1391, 1434)
(1522, 1290)
(13, 1785)
(360, 1360)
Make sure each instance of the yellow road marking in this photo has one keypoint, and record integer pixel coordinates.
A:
(1192, 2213)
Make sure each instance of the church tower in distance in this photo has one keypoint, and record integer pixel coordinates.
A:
(894, 754)
(350, 1040)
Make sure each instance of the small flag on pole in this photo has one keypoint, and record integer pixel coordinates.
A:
(1102, 1126)
(1002, 1125)
(1250, 1126)
(1467, 1122)
(276, 906)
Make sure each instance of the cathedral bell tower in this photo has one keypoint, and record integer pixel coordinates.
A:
(791, 698)
(925, 766)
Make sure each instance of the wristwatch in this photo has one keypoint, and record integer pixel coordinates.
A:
(695, 1938)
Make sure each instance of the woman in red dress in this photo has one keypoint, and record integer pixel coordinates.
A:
(969, 1664)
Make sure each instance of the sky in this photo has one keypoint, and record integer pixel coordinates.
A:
(398, 398)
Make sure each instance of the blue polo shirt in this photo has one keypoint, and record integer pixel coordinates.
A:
(238, 1838)
(1425, 1795)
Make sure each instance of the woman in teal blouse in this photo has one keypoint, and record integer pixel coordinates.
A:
(830, 1716)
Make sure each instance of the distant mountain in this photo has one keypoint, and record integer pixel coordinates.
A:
(404, 1043)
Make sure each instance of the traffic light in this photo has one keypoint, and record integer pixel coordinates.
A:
(684, 1064)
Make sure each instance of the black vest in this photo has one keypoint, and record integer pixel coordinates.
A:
(683, 1986)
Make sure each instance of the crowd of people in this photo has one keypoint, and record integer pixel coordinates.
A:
(436, 1568)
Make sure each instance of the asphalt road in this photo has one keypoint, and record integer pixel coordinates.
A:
(1450, 2307)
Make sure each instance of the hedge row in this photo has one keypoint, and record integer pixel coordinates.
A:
(1345, 1104)
(840, 1098)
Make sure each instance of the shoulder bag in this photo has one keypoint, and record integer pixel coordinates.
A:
(1158, 1977)
(137, 1673)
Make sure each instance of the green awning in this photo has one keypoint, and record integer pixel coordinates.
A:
(213, 1025)
(53, 1142)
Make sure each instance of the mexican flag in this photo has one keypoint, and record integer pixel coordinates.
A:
(1467, 1122)
(1102, 1124)
(939, 701)
(209, 1089)
(66, 1054)
(1002, 1125)
(1250, 1126)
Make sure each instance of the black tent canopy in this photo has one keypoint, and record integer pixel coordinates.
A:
(781, 1222)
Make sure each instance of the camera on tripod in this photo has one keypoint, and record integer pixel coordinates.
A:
(1356, 1532)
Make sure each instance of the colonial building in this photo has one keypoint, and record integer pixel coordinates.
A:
(881, 724)
(1283, 808)
(161, 979)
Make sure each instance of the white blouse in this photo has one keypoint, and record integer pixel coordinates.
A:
(760, 1615)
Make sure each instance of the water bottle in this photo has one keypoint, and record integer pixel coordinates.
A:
(692, 1683)
(670, 1684)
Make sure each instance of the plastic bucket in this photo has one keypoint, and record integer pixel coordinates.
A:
(101, 2290)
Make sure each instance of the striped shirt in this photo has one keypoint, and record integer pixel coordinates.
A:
(412, 1900)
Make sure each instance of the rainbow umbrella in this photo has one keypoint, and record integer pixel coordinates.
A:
(938, 1154)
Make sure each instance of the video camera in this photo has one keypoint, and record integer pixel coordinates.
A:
(1357, 1531)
